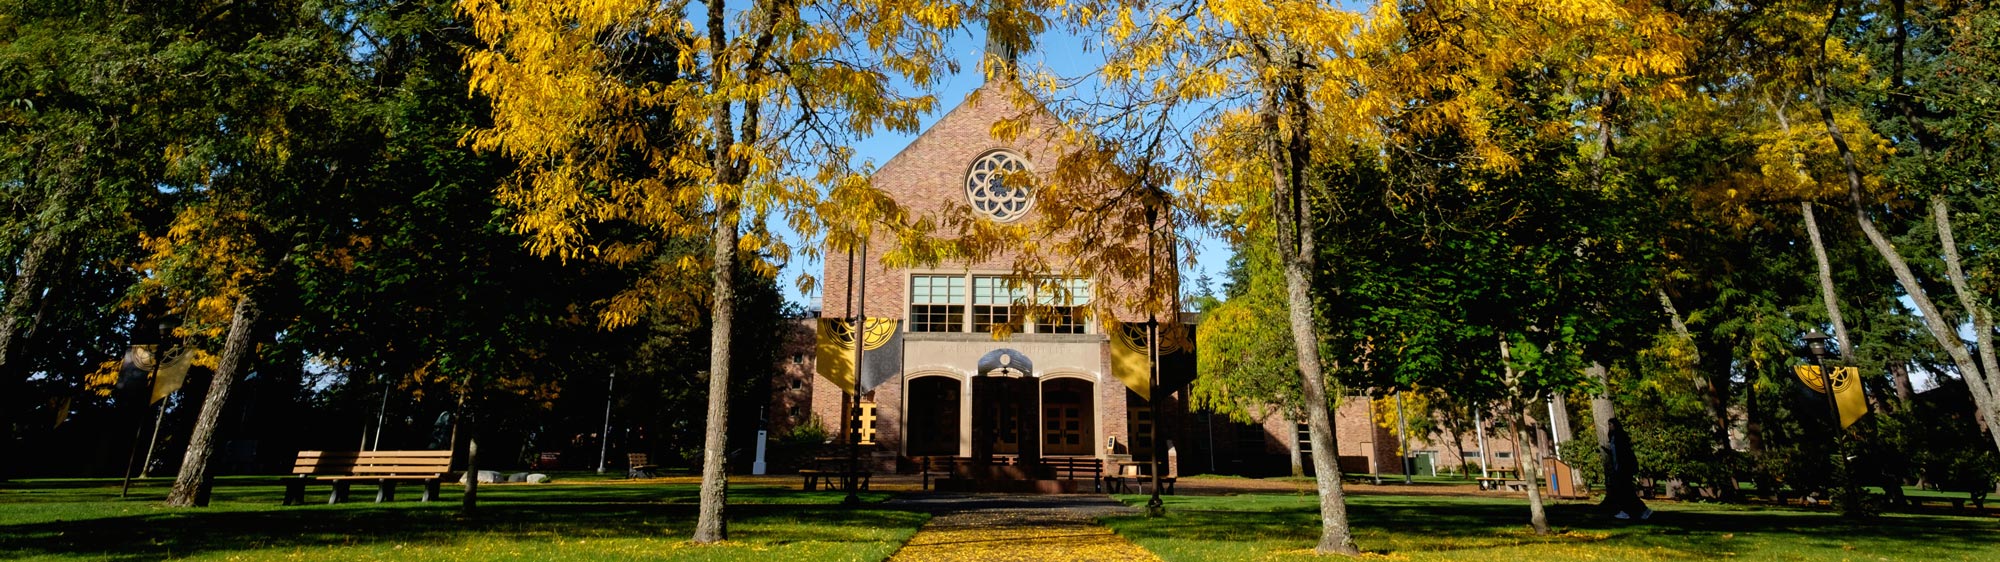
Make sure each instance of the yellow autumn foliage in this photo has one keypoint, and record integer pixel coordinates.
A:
(600, 144)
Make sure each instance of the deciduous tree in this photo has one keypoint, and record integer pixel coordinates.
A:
(698, 124)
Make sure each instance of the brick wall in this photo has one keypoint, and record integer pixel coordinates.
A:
(928, 179)
(1498, 440)
(792, 388)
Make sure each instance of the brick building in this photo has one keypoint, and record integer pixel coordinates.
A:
(1049, 388)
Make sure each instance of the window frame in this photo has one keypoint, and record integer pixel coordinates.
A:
(967, 313)
(938, 311)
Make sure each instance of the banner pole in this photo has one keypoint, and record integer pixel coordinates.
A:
(126, 486)
(146, 469)
(860, 331)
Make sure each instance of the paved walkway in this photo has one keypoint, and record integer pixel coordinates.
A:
(1024, 528)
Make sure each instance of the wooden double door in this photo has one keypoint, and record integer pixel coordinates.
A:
(1052, 417)
(1067, 417)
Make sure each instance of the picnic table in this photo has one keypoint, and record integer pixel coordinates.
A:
(1135, 475)
(830, 470)
(1502, 478)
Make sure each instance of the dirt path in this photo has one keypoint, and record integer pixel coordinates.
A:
(1023, 528)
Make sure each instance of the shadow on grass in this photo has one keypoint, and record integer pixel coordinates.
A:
(78, 518)
(1434, 524)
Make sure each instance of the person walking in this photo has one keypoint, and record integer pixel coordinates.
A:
(1621, 496)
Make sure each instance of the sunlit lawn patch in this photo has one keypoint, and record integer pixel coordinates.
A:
(84, 519)
(1286, 526)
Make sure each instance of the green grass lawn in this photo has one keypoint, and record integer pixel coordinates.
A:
(85, 520)
(1286, 526)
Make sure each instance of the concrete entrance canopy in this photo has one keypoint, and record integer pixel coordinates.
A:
(1005, 363)
(1041, 353)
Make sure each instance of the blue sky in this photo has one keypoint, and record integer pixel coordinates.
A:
(1060, 53)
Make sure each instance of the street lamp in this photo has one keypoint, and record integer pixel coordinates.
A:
(1816, 349)
(1816, 344)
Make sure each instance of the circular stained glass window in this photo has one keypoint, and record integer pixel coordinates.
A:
(996, 186)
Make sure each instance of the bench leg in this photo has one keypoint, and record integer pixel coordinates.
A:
(386, 491)
(339, 493)
(295, 491)
(431, 490)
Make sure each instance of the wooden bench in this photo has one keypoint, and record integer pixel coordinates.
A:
(832, 471)
(1069, 467)
(639, 465)
(1920, 501)
(939, 467)
(1509, 484)
(1956, 503)
(385, 468)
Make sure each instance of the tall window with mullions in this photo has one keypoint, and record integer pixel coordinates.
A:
(993, 304)
(1065, 299)
(937, 303)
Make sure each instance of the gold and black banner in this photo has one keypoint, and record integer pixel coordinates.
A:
(1131, 360)
(881, 350)
(1847, 393)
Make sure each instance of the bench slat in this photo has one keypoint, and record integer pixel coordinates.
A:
(383, 477)
(369, 462)
(383, 454)
(373, 464)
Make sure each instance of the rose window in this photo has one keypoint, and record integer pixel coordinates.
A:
(996, 186)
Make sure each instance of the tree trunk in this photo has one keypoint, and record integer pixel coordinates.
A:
(1602, 411)
(711, 525)
(1704, 386)
(1299, 252)
(1826, 292)
(1559, 429)
(1712, 390)
(1981, 317)
(238, 351)
(44, 247)
(1899, 374)
(1292, 444)
(20, 296)
(1538, 515)
(1680, 326)
(1946, 334)
(469, 503)
(1455, 434)
(1753, 419)
(1715, 392)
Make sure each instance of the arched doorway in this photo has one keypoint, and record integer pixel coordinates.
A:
(932, 416)
(1068, 418)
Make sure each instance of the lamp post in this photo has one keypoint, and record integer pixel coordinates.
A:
(1403, 439)
(604, 439)
(1816, 351)
(1155, 507)
(853, 421)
